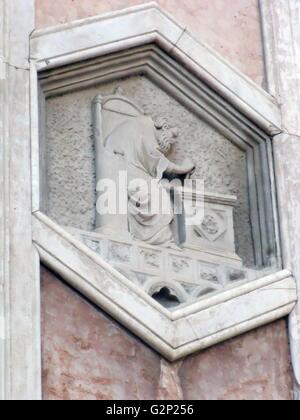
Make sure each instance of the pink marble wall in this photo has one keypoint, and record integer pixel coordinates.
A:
(231, 27)
(87, 355)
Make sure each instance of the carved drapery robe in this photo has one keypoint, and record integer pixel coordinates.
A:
(135, 139)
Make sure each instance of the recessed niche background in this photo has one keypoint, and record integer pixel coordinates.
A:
(70, 155)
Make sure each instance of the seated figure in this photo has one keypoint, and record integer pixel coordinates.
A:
(142, 145)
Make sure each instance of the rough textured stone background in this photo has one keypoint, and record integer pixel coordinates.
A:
(71, 166)
(231, 27)
(86, 355)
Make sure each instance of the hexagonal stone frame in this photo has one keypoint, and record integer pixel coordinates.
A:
(146, 39)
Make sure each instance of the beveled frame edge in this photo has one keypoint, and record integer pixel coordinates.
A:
(174, 334)
(281, 33)
(145, 24)
(170, 345)
(154, 63)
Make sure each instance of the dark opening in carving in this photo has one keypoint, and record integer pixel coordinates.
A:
(166, 298)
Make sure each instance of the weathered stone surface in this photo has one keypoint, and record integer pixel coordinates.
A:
(281, 42)
(253, 366)
(71, 166)
(86, 355)
(19, 279)
(232, 28)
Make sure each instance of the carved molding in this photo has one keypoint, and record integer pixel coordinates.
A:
(198, 326)
(146, 39)
(192, 92)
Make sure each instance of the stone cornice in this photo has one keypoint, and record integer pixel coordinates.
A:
(146, 24)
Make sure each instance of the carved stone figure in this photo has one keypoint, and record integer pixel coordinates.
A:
(139, 146)
(132, 151)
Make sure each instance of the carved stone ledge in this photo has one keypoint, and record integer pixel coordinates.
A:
(205, 264)
(140, 25)
(190, 273)
(176, 333)
(191, 92)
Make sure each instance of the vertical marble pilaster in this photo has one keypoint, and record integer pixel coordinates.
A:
(20, 372)
(281, 24)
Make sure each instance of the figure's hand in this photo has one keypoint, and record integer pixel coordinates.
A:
(188, 166)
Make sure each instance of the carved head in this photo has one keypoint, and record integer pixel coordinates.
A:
(165, 135)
